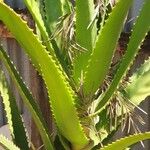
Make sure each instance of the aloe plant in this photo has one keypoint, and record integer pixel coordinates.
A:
(73, 52)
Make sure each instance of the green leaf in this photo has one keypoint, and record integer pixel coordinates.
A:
(7, 144)
(33, 7)
(23, 30)
(63, 106)
(85, 36)
(62, 101)
(101, 57)
(139, 87)
(127, 141)
(66, 7)
(53, 10)
(28, 100)
(13, 115)
(141, 70)
(136, 91)
(140, 29)
(51, 18)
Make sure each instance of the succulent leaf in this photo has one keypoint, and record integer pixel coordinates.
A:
(66, 7)
(140, 30)
(85, 36)
(139, 87)
(106, 43)
(136, 91)
(127, 141)
(33, 7)
(53, 10)
(13, 115)
(50, 44)
(7, 144)
(28, 99)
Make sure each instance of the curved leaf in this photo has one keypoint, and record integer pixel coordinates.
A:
(85, 36)
(136, 91)
(62, 101)
(7, 144)
(66, 6)
(52, 15)
(141, 70)
(140, 29)
(127, 141)
(13, 115)
(28, 99)
(139, 87)
(33, 7)
(101, 57)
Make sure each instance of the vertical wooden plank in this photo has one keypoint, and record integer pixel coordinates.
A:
(39, 91)
(1, 113)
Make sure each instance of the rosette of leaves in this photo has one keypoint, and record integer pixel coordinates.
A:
(73, 52)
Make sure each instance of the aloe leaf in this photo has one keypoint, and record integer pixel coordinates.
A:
(28, 99)
(33, 7)
(139, 87)
(140, 29)
(51, 45)
(53, 10)
(7, 144)
(62, 101)
(102, 54)
(23, 39)
(136, 91)
(13, 115)
(85, 36)
(141, 70)
(127, 141)
(51, 18)
(66, 7)
(23, 30)
(63, 106)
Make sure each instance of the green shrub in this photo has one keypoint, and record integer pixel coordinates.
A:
(73, 53)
